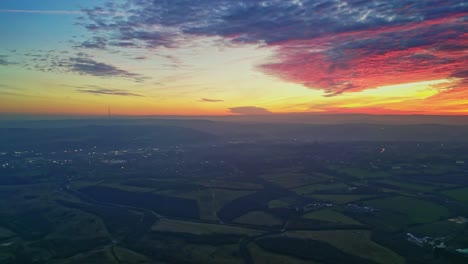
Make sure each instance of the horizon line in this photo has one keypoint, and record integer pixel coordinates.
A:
(235, 114)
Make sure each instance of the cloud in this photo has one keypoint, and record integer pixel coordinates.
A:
(77, 63)
(54, 12)
(361, 60)
(207, 100)
(249, 110)
(98, 90)
(46, 12)
(94, 43)
(89, 66)
(331, 45)
(103, 91)
(460, 74)
(4, 61)
(84, 64)
(271, 21)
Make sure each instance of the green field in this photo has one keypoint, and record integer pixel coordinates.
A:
(98, 256)
(364, 173)
(319, 187)
(261, 256)
(458, 194)
(293, 179)
(331, 215)
(259, 218)
(409, 186)
(355, 242)
(130, 257)
(5, 233)
(176, 249)
(223, 254)
(279, 203)
(229, 184)
(415, 210)
(438, 229)
(109, 256)
(128, 188)
(339, 198)
(178, 226)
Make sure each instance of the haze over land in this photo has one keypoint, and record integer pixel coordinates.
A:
(294, 118)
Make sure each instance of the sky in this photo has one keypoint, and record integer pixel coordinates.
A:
(224, 57)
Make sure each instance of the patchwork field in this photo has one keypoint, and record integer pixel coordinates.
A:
(178, 226)
(355, 242)
(415, 210)
(281, 203)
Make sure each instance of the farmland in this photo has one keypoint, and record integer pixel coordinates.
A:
(416, 210)
(331, 216)
(355, 242)
(274, 202)
(458, 194)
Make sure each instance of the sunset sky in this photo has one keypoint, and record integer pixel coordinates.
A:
(222, 57)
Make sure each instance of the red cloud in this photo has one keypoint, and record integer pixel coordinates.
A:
(355, 61)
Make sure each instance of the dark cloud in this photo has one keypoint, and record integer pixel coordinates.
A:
(78, 63)
(208, 100)
(149, 38)
(95, 43)
(269, 22)
(88, 66)
(104, 91)
(249, 110)
(360, 60)
(4, 61)
(460, 74)
(334, 45)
